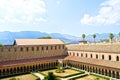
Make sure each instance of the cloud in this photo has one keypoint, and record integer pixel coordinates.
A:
(21, 11)
(41, 19)
(108, 14)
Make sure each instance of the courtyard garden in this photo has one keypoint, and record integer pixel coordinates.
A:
(66, 73)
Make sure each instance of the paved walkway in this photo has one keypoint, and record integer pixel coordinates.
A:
(72, 76)
(42, 77)
(39, 75)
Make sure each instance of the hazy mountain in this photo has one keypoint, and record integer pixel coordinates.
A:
(7, 37)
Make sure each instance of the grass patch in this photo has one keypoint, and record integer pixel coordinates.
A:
(67, 72)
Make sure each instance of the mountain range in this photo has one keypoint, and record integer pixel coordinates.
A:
(7, 37)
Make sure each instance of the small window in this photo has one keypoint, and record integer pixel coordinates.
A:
(37, 48)
(91, 55)
(47, 48)
(96, 56)
(86, 55)
(81, 55)
(26, 48)
(32, 48)
(77, 54)
(42, 48)
(117, 58)
(59, 47)
(21, 49)
(109, 57)
(102, 56)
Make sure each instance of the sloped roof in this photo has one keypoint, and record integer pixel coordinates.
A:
(107, 63)
(37, 41)
(24, 61)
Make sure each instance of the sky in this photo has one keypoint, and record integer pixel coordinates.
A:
(73, 17)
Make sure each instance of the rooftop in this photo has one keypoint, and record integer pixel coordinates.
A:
(37, 42)
(112, 64)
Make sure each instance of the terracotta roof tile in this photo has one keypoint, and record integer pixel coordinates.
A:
(112, 64)
(37, 41)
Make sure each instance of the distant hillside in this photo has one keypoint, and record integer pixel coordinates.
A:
(7, 37)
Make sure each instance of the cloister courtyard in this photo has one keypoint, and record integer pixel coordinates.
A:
(68, 74)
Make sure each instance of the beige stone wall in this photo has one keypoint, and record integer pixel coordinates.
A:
(27, 67)
(26, 52)
(111, 48)
(94, 55)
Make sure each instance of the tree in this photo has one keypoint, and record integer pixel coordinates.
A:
(50, 76)
(83, 36)
(60, 69)
(94, 36)
(46, 37)
(119, 34)
(111, 36)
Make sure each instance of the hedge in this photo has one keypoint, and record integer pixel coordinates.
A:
(83, 75)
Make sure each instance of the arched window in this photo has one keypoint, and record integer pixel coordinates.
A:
(59, 46)
(96, 56)
(42, 48)
(26, 48)
(77, 54)
(117, 58)
(70, 53)
(21, 49)
(91, 55)
(102, 56)
(46, 47)
(81, 55)
(109, 57)
(86, 55)
(37, 48)
(32, 48)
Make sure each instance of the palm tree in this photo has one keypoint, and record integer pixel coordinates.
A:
(94, 36)
(50, 76)
(60, 69)
(111, 36)
(119, 34)
(83, 36)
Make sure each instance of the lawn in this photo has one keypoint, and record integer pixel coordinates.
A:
(90, 77)
(22, 77)
(67, 72)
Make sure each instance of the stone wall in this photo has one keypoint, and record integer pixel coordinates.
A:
(96, 48)
(27, 52)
